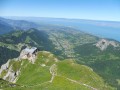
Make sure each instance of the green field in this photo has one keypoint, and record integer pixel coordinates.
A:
(49, 73)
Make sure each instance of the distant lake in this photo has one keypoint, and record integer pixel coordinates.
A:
(101, 31)
(97, 30)
(111, 29)
(107, 31)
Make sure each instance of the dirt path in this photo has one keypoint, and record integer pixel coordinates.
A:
(53, 71)
(78, 82)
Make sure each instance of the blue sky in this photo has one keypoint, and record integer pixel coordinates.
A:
(80, 9)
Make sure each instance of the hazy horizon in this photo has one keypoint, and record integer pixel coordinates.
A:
(7, 17)
(103, 10)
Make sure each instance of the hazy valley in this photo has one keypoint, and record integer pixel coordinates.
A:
(73, 57)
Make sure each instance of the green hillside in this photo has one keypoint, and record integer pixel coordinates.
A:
(106, 63)
(12, 43)
(49, 73)
(60, 41)
(65, 43)
(5, 84)
(81, 47)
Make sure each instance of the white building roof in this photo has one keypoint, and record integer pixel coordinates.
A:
(30, 50)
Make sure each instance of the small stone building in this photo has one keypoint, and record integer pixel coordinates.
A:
(29, 53)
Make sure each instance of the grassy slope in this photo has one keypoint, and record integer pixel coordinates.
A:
(101, 62)
(12, 43)
(6, 84)
(109, 70)
(78, 45)
(82, 47)
(105, 63)
(70, 76)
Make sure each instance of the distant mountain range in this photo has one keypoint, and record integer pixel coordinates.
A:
(16, 24)
(5, 27)
(65, 42)
(105, 29)
(61, 20)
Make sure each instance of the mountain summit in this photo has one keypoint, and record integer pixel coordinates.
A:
(47, 72)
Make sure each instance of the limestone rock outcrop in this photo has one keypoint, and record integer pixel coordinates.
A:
(103, 44)
(8, 73)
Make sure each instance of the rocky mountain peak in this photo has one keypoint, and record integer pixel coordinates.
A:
(103, 44)
(29, 53)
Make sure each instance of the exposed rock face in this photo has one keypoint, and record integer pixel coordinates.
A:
(4, 66)
(6, 70)
(10, 75)
(29, 53)
(103, 44)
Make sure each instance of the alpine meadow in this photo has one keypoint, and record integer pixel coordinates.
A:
(59, 45)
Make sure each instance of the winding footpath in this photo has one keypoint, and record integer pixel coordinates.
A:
(53, 72)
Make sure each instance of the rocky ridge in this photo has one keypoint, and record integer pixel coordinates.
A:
(48, 71)
(103, 44)
(12, 75)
